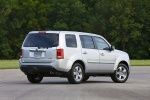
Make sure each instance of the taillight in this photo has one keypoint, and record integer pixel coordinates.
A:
(20, 53)
(60, 54)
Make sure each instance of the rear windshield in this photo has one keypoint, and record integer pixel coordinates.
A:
(42, 40)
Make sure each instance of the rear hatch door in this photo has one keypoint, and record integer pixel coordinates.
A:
(40, 47)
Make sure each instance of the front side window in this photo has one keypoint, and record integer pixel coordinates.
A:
(101, 43)
(71, 40)
(87, 42)
(42, 40)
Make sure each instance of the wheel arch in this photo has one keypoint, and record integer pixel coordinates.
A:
(80, 62)
(124, 62)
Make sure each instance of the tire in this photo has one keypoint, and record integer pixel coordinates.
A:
(121, 74)
(85, 78)
(76, 74)
(34, 78)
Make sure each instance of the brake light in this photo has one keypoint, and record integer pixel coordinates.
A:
(60, 54)
(42, 32)
(20, 53)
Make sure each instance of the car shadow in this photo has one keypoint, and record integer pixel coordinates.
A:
(66, 82)
(56, 82)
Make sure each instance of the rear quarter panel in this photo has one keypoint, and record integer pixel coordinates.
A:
(71, 54)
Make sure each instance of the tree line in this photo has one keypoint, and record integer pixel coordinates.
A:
(124, 23)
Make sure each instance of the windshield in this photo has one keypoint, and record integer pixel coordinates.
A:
(42, 40)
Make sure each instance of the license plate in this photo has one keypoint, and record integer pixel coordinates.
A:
(37, 54)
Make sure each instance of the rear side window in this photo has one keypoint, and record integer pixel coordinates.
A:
(87, 42)
(70, 40)
(42, 40)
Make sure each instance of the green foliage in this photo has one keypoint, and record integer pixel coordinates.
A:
(125, 23)
(6, 7)
(9, 64)
(69, 15)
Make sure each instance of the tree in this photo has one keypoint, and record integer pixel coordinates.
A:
(142, 16)
(6, 7)
(29, 15)
(125, 23)
(69, 15)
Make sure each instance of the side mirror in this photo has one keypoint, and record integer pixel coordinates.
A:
(112, 48)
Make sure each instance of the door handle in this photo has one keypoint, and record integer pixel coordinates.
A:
(102, 54)
(84, 52)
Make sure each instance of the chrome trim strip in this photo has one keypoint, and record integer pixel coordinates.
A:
(93, 61)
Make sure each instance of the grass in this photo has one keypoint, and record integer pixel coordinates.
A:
(14, 64)
(140, 62)
(9, 64)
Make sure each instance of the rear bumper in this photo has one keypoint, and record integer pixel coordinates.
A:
(59, 65)
(44, 70)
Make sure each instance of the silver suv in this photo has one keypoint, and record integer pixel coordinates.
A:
(74, 55)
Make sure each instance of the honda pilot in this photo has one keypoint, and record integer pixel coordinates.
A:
(74, 55)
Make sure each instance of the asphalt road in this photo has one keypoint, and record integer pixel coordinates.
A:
(15, 86)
